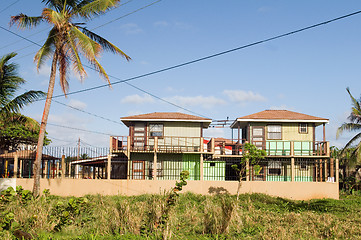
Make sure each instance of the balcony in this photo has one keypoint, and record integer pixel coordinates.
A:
(217, 146)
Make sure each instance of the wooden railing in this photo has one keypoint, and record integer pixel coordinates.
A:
(220, 147)
(294, 148)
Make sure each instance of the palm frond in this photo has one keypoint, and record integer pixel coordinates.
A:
(89, 48)
(347, 127)
(63, 69)
(349, 143)
(104, 43)
(53, 17)
(24, 21)
(73, 52)
(92, 8)
(20, 101)
(45, 52)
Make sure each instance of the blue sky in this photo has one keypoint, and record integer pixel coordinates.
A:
(307, 72)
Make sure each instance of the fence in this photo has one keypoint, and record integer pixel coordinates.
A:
(92, 163)
(21, 163)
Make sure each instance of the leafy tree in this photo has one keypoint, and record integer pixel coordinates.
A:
(15, 128)
(15, 133)
(67, 41)
(353, 125)
(251, 155)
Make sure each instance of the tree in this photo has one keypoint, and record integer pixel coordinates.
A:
(15, 128)
(67, 41)
(353, 125)
(15, 133)
(251, 155)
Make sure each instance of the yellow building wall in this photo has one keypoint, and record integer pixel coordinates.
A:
(179, 134)
(182, 129)
(289, 131)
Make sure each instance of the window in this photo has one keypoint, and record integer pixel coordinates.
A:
(156, 130)
(274, 168)
(303, 128)
(159, 169)
(274, 132)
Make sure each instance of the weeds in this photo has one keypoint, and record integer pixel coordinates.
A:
(186, 216)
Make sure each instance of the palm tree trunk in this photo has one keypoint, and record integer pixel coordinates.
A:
(44, 120)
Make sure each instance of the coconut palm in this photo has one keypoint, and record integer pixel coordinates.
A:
(10, 105)
(67, 41)
(10, 81)
(353, 125)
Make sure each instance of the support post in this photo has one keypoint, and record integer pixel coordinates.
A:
(16, 165)
(201, 174)
(63, 166)
(212, 145)
(337, 171)
(57, 170)
(21, 168)
(128, 147)
(109, 166)
(292, 150)
(69, 170)
(202, 145)
(247, 170)
(46, 169)
(6, 168)
(292, 169)
(154, 173)
(325, 169)
(332, 173)
(324, 132)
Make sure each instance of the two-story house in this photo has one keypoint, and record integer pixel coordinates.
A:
(171, 141)
(288, 138)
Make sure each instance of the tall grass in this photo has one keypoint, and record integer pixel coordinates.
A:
(253, 216)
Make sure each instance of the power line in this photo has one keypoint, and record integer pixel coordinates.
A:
(116, 19)
(79, 129)
(89, 113)
(9, 6)
(123, 16)
(209, 56)
(196, 60)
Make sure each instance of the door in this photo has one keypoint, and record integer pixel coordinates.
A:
(139, 136)
(138, 169)
(258, 138)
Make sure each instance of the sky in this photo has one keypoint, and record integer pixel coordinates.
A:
(306, 72)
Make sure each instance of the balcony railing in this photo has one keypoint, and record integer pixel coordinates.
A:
(215, 146)
(294, 148)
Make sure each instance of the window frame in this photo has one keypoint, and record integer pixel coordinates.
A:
(268, 132)
(150, 130)
(300, 127)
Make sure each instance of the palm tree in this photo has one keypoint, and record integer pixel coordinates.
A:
(10, 105)
(66, 42)
(353, 125)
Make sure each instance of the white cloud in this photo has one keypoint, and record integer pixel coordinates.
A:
(282, 107)
(131, 28)
(161, 24)
(206, 102)
(214, 132)
(44, 70)
(77, 104)
(183, 26)
(243, 97)
(137, 99)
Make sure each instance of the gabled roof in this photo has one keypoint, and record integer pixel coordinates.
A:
(165, 117)
(279, 116)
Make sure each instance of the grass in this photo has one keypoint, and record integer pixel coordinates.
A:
(253, 216)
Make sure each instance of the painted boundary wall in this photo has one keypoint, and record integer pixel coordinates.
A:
(81, 187)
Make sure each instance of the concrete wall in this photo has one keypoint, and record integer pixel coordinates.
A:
(81, 187)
